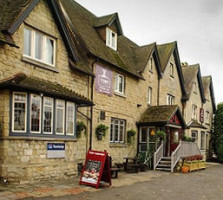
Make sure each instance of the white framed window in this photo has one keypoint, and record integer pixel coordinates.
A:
(151, 64)
(19, 112)
(149, 100)
(60, 116)
(119, 83)
(111, 39)
(47, 115)
(35, 113)
(171, 70)
(70, 109)
(207, 117)
(203, 140)
(194, 136)
(194, 112)
(39, 46)
(170, 99)
(143, 135)
(117, 130)
(195, 88)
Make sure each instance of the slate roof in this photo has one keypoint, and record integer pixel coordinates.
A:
(165, 51)
(208, 85)
(9, 13)
(33, 84)
(108, 20)
(83, 37)
(190, 73)
(85, 24)
(195, 124)
(160, 115)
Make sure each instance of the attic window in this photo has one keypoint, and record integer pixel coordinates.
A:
(111, 39)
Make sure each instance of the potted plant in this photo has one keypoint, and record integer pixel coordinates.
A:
(80, 127)
(130, 135)
(141, 161)
(100, 131)
(161, 135)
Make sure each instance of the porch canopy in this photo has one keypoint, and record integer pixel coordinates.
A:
(23, 82)
(195, 124)
(165, 115)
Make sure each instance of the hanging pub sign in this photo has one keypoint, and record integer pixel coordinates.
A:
(103, 80)
(96, 169)
(201, 115)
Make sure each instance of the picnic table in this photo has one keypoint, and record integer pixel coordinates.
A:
(131, 164)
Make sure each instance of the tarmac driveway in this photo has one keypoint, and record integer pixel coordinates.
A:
(198, 185)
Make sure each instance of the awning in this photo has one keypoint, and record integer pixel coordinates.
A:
(195, 124)
(21, 81)
(162, 116)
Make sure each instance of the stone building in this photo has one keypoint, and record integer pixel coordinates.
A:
(61, 65)
(198, 112)
(41, 94)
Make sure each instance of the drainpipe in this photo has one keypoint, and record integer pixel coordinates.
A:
(91, 113)
(158, 91)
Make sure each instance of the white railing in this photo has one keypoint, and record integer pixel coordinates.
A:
(184, 149)
(158, 155)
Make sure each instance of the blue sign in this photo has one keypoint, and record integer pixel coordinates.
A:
(56, 146)
(55, 150)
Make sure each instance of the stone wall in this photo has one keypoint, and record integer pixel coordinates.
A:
(170, 85)
(129, 107)
(23, 159)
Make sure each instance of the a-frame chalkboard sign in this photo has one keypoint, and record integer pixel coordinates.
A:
(96, 169)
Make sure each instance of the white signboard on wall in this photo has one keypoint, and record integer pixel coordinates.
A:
(55, 150)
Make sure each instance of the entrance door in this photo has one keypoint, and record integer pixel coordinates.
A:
(147, 139)
(174, 139)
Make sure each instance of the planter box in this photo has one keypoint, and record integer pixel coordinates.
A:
(202, 165)
(195, 166)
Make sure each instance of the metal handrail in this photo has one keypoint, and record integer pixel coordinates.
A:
(158, 155)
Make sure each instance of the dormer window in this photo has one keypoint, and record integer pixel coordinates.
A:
(111, 39)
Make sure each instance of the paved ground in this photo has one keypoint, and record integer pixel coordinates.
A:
(152, 185)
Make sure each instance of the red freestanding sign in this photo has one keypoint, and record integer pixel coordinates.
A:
(96, 169)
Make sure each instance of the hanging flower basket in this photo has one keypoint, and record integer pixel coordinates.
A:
(101, 131)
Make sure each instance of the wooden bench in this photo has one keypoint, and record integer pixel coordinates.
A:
(114, 172)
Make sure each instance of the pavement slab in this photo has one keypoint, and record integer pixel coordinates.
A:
(68, 187)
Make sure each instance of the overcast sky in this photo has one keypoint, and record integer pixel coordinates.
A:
(196, 25)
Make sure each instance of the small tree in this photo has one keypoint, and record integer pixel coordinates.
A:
(217, 136)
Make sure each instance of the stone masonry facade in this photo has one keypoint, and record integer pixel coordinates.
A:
(23, 159)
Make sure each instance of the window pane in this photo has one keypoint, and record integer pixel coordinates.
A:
(117, 131)
(70, 118)
(49, 51)
(48, 115)
(120, 80)
(122, 131)
(112, 130)
(27, 42)
(143, 134)
(19, 120)
(38, 45)
(60, 117)
(35, 113)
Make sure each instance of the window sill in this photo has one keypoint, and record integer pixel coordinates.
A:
(119, 145)
(39, 64)
(119, 94)
(44, 137)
